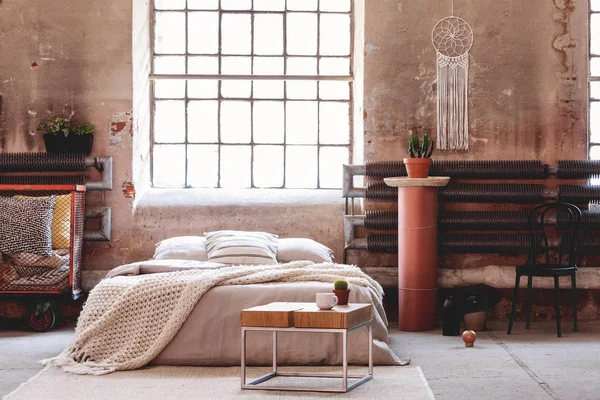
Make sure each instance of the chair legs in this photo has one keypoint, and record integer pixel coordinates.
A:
(557, 305)
(514, 304)
(574, 300)
(529, 302)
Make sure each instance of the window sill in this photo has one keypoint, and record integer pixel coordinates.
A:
(186, 198)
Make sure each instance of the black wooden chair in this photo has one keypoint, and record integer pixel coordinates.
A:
(568, 217)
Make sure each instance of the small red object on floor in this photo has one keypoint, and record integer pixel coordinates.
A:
(469, 338)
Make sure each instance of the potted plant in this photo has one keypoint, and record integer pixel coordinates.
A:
(417, 166)
(56, 131)
(340, 289)
(82, 138)
(59, 137)
(475, 309)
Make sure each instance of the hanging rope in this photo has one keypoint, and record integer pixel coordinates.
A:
(452, 38)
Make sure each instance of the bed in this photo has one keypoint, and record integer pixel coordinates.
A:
(176, 311)
(211, 333)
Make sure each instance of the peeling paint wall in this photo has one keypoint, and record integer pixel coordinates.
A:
(527, 86)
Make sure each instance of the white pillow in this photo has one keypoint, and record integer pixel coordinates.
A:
(293, 249)
(181, 248)
(241, 248)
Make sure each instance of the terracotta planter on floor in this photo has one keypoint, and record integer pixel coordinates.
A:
(417, 167)
(342, 296)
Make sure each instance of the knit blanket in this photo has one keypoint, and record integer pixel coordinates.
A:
(128, 320)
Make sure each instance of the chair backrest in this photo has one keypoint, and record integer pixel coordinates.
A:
(570, 219)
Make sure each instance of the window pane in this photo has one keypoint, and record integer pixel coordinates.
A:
(595, 122)
(269, 5)
(169, 89)
(334, 66)
(203, 32)
(235, 166)
(595, 5)
(301, 66)
(236, 65)
(268, 166)
(235, 122)
(595, 34)
(268, 34)
(235, 29)
(203, 65)
(302, 122)
(168, 166)
(268, 90)
(268, 65)
(236, 4)
(236, 89)
(169, 121)
(334, 5)
(203, 121)
(335, 35)
(595, 153)
(169, 64)
(169, 33)
(200, 89)
(169, 4)
(334, 123)
(334, 90)
(302, 90)
(331, 160)
(268, 122)
(302, 5)
(301, 167)
(301, 33)
(202, 4)
(203, 166)
(595, 90)
(595, 66)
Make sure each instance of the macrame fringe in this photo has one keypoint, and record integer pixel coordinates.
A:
(453, 105)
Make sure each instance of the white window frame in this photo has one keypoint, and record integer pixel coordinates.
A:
(154, 77)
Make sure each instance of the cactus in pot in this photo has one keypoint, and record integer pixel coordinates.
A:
(340, 289)
(417, 166)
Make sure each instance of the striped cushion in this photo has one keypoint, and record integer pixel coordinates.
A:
(241, 248)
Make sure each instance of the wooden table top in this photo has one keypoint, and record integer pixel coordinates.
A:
(306, 315)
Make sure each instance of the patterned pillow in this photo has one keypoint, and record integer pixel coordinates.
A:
(25, 225)
(241, 248)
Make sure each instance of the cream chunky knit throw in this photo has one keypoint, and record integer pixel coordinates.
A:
(128, 320)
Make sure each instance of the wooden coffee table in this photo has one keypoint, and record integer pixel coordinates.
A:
(306, 317)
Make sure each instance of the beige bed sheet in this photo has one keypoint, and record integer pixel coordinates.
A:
(211, 334)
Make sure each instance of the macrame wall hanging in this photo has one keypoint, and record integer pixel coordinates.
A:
(452, 38)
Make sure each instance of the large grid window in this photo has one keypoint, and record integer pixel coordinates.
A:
(251, 93)
(594, 80)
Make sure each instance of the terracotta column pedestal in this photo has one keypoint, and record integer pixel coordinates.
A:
(417, 251)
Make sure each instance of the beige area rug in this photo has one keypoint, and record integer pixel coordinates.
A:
(406, 383)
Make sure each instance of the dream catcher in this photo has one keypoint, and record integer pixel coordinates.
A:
(452, 38)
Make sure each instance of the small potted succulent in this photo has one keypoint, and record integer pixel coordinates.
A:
(417, 166)
(340, 289)
(59, 137)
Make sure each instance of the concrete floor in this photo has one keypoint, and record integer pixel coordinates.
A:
(529, 365)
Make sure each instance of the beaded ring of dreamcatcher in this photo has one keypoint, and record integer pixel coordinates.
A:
(452, 38)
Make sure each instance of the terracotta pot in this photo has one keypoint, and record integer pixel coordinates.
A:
(417, 167)
(475, 321)
(342, 296)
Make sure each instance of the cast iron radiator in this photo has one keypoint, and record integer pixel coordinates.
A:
(462, 230)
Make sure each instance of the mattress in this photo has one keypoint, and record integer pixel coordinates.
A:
(211, 334)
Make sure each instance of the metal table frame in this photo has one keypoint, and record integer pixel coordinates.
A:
(344, 375)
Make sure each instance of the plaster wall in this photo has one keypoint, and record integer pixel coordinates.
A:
(74, 57)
